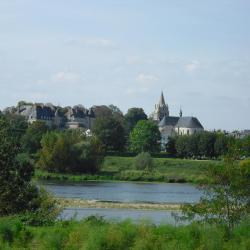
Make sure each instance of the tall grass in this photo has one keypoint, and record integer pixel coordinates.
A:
(96, 233)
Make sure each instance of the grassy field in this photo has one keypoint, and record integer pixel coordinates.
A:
(97, 234)
(122, 169)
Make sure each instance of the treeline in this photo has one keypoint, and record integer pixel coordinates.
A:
(75, 151)
(207, 145)
(78, 151)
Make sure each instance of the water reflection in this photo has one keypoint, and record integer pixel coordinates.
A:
(153, 216)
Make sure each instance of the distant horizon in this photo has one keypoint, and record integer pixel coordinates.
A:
(125, 52)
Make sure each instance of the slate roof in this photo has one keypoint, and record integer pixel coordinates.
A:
(168, 121)
(189, 122)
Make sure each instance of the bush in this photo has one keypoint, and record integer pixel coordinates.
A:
(46, 212)
(144, 161)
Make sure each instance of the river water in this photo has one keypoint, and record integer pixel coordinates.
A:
(125, 192)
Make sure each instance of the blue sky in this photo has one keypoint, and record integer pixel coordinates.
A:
(125, 52)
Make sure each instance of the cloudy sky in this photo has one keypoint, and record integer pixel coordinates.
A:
(124, 52)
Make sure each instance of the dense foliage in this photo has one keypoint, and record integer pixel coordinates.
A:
(134, 115)
(226, 200)
(145, 137)
(31, 140)
(94, 233)
(70, 152)
(111, 132)
(17, 193)
(200, 145)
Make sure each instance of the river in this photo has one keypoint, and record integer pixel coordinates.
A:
(125, 192)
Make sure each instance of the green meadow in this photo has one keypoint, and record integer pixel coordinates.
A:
(123, 169)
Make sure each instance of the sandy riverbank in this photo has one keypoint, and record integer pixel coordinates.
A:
(79, 203)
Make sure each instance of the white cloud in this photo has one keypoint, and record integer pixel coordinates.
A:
(135, 91)
(146, 78)
(65, 77)
(92, 42)
(192, 66)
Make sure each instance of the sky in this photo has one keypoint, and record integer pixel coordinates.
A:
(125, 52)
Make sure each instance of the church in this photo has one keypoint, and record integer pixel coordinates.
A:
(173, 125)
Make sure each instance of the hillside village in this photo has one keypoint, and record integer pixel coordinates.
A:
(80, 117)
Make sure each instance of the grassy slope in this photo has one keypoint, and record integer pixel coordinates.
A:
(96, 234)
(122, 168)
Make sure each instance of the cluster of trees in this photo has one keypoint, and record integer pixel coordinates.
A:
(130, 132)
(73, 151)
(205, 145)
(70, 151)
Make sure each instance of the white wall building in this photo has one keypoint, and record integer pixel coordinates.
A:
(174, 125)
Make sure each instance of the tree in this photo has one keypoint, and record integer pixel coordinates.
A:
(31, 140)
(206, 144)
(171, 146)
(70, 152)
(101, 111)
(133, 116)
(226, 200)
(87, 155)
(192, 146)
(221, 145)
(145, 137)
(181, 145)
(17, 194)
(110, 132)
(246, 145)
(18, 125)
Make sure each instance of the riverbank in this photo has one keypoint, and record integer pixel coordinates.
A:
(80, 203)
(95, 233)
(122, 169)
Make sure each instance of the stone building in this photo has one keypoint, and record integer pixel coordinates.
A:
(68, 117)
(173, 125)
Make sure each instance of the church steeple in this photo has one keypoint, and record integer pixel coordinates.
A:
(180, 112)
(162, 100)
(161, 109)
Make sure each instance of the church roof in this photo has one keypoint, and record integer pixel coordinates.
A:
(168, 121)
(189, 122)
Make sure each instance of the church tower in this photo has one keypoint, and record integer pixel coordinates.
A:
(161, 109)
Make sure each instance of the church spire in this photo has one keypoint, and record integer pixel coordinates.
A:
(180, 112)
(162, 100)
(161, 109)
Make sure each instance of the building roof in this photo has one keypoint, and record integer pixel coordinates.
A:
(168, 121)
(189, 122)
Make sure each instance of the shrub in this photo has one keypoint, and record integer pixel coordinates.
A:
(144, 161)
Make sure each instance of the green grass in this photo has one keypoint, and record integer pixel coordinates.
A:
(97, 234)
(122, 169)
